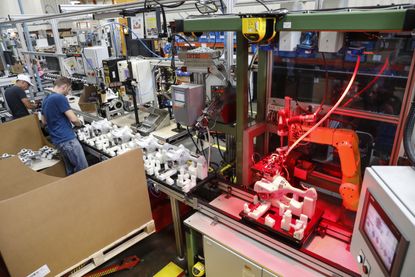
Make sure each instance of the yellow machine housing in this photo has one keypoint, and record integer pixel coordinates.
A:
(257, 29)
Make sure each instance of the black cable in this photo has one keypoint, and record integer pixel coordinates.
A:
(190, 135)
(163, 14)
(201, 145)
(220, 150)
(209, 12)
(172, 6)
(185, 40)
(263, 4)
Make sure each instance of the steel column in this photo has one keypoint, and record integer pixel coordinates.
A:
(177, 225)
(191, 249)
(23, 44)
(241, 106)
(58, 45)
(264, 81)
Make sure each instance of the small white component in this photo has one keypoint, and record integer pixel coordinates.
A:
(259, 211)
(286, 221)
(246, 208)
(330, 42)
(269, 221)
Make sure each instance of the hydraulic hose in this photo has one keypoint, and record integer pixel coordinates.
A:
(407, 136)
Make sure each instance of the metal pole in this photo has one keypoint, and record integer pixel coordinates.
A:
(3, 60)
(229, 5)
(58, 45)
(241, 106)
(28, 44)
(175, 211)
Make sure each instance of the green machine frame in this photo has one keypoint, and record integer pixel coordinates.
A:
(362, 20)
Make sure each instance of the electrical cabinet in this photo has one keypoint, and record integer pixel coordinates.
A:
(93, 57)
(220, 260)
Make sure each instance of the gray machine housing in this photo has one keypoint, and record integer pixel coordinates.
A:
(188, 103)
(393, 188)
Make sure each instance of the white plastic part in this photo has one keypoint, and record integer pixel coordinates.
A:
(269, 221)
(286, 221)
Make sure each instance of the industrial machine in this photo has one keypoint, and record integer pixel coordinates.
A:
(110, 68)
(297, 182)
(93, 57)
(188, 103)
(385, 223)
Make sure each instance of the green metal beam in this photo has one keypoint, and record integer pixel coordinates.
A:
(216, 24)
(376, 20)
(352, 21)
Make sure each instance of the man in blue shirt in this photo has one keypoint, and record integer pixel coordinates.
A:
(58, 116)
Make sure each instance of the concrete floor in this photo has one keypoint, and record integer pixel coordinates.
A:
(155, 252)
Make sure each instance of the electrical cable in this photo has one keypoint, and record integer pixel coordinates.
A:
(222, 6)
(207, 7)
(172, 6)
(369, 85)
(185, 40)
(327, 115)
(249, 86)
(263, 4)
(210, 146)
(134, 33)
(220, 150)
(191, 136)
(163, 14)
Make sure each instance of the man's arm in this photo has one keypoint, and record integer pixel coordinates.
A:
(28, 104)
(43, 120)
(73, 118)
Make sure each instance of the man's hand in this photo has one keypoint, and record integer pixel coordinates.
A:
(28, 104)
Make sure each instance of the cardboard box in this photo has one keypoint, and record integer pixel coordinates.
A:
(59, 222)
(17, 68)
(26, 133)
(85, 103)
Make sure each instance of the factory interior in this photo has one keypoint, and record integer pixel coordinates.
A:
(217, 138)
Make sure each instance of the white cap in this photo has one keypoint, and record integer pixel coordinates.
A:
(26, 78)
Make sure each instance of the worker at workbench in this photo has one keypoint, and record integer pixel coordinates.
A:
(58, 117)
(16, 97)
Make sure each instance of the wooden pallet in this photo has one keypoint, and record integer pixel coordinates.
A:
(110, 251)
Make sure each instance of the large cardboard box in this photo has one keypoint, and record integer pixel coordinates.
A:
(49, 219)
(26, 133)
(59, 222)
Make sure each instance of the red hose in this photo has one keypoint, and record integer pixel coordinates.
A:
(370, 84)
(356, 69)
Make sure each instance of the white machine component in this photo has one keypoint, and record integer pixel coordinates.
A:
(93, 57)
(276, 191)
(330, 42)
(384, 231)
(288, 41)
(161, 160)
(143, 76)
(144, 80)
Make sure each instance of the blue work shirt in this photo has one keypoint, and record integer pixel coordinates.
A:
(53, 108)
